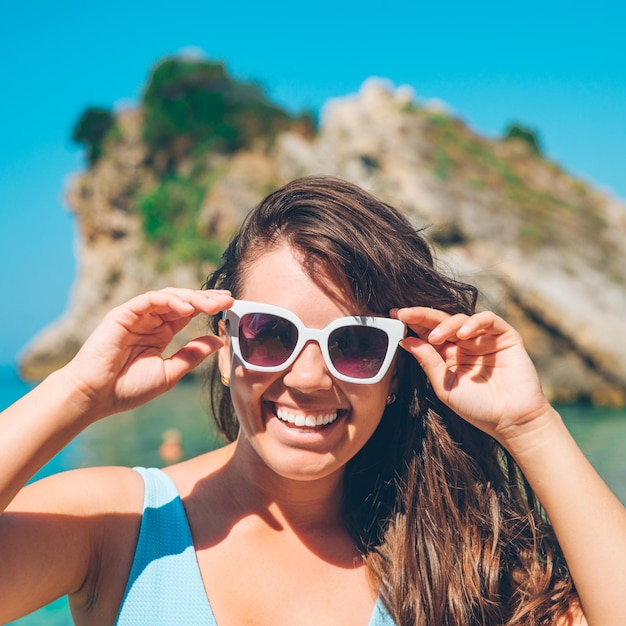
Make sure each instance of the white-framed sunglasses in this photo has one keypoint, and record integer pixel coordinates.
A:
(356, 349)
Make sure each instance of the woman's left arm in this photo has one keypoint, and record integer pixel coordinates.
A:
(479, 367)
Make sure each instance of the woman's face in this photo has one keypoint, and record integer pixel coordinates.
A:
(267, 404)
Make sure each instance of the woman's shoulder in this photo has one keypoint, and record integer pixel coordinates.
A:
(93, 491)
(84, 492)
(191, 475)
(79, 526)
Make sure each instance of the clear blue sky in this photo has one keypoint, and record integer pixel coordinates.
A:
(554, 66)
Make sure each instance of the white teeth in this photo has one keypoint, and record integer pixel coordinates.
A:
(307, 420)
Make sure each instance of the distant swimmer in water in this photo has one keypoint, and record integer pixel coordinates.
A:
(171, 448)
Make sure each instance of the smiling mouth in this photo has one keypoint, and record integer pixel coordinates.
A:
(302, 419)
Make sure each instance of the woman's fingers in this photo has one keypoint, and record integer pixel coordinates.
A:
(477, 364)
(174, 302)
(209, 302)
(190, 356)
(133, 336)
(162, 314)
(428, 358)
(426, 322)
(421, 320)
(485, 322)
(448, 344)
(438, 327)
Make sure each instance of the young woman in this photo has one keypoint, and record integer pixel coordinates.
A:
(362, 484)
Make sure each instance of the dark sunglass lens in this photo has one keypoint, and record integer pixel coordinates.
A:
(266, 340)
(358, 351)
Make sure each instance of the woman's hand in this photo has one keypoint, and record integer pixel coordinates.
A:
(121, 364)
(478, 366)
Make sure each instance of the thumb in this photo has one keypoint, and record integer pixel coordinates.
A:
(190, 356)
(429, 359)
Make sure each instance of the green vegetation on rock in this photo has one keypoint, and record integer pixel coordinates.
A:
(194, 117)
(191, 110)
(528, 136)
(169, 215)
(195, 105)
(462, 157)
(91, 129)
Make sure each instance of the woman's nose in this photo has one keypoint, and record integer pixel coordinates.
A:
(309, 372)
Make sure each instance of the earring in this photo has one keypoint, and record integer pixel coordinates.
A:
(391, 398)
(225, 380)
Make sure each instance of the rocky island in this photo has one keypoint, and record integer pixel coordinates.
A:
(169, 181)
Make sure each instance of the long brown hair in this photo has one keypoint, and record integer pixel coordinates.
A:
(449, 528)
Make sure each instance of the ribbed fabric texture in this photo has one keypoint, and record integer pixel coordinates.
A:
(380, 616)
(165, 587)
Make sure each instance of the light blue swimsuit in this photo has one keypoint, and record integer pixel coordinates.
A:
(165, 587)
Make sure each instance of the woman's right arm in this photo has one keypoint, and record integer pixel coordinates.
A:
(119, 367)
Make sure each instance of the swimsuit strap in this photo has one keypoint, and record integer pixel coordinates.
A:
(380, 616)
(165, 585)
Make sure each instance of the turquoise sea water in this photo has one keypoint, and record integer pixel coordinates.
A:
(134, 438)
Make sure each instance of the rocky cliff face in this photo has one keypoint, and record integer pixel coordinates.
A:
(548, 252)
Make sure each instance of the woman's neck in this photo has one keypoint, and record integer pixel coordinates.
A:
(290, 503)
